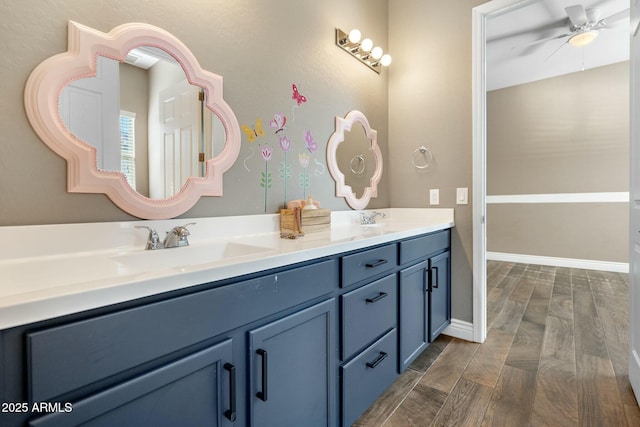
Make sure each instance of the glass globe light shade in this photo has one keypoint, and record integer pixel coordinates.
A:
(354, 36)
(376, 52)
(366, 45)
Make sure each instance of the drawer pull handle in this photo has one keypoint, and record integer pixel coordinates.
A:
(377, 298)
(379, 359)
(376, 264)
(262, 395)
(231, 412)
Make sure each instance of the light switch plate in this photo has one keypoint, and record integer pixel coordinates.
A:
(434, 196)
(462, 196)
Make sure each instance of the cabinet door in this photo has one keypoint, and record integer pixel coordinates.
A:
(440, 294)
(293, 369)
(414, 313)
(193, 391)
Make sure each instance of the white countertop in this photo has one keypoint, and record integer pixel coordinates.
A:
(54, 270)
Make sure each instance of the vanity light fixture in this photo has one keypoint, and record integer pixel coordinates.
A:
(364, 51)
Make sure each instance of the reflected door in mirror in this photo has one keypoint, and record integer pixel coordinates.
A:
(90, 109)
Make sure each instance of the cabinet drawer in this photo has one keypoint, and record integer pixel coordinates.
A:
(367, 376)
(367, 264)
(367, 313)
(420, 247)
(68, 357)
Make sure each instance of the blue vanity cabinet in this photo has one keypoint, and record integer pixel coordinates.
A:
(368, 328)
(440, 294)
(414, 313)
(292, 373)
(310, 344)
(424, 293)
(182, 357)
(196, 390)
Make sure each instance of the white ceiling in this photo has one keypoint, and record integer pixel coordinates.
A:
(510, 62)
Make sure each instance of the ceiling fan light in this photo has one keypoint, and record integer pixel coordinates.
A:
(583, 39)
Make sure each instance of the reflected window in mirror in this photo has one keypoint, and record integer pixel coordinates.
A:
(128, 147)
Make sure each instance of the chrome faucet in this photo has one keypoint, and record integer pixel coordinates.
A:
(370, 219)
(175, 238)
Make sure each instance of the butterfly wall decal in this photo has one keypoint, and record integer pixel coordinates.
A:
(278, 122)
(253, 133)
(311, 143)
(297, 96)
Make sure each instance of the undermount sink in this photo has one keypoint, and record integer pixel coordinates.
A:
(184, 257)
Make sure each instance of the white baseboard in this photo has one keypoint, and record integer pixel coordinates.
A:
(459, 329)
(587, 264)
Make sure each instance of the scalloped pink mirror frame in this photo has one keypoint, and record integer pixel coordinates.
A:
(41, 104)
(342, 189)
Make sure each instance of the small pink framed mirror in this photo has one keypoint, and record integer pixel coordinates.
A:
(354, 159)
(135, 117)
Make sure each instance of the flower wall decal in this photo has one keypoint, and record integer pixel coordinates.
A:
(280, 125)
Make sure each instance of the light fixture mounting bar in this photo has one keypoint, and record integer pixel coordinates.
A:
(353, 49)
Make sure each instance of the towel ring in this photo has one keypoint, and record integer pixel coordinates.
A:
(421, 157)
(357, 164)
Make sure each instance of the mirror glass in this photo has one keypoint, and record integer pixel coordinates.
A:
(145, 120)
(354, 159)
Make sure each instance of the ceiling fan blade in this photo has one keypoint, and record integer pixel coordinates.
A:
(577, 14)
(556, 51)
(616, 17)
(543, 40)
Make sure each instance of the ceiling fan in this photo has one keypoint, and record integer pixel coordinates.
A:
(584, 26)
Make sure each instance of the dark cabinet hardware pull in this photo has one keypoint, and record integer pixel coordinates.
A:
(427, 279)
(262, 395)
(379, 359)
(435, 283)
(376, 264)
(376, 299)
(231, 412)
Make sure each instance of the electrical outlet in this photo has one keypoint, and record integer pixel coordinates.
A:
(434, 196)
(462, 196)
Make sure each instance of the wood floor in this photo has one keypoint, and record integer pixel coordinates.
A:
(555, 355)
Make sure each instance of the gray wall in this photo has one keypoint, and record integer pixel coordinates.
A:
(430, 105)
(260, 47)
(568, 134)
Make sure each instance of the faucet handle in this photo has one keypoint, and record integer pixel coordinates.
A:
(177, 237)
(153, 240)
(182, 230)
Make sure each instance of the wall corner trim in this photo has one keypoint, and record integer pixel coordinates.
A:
(460, 329)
